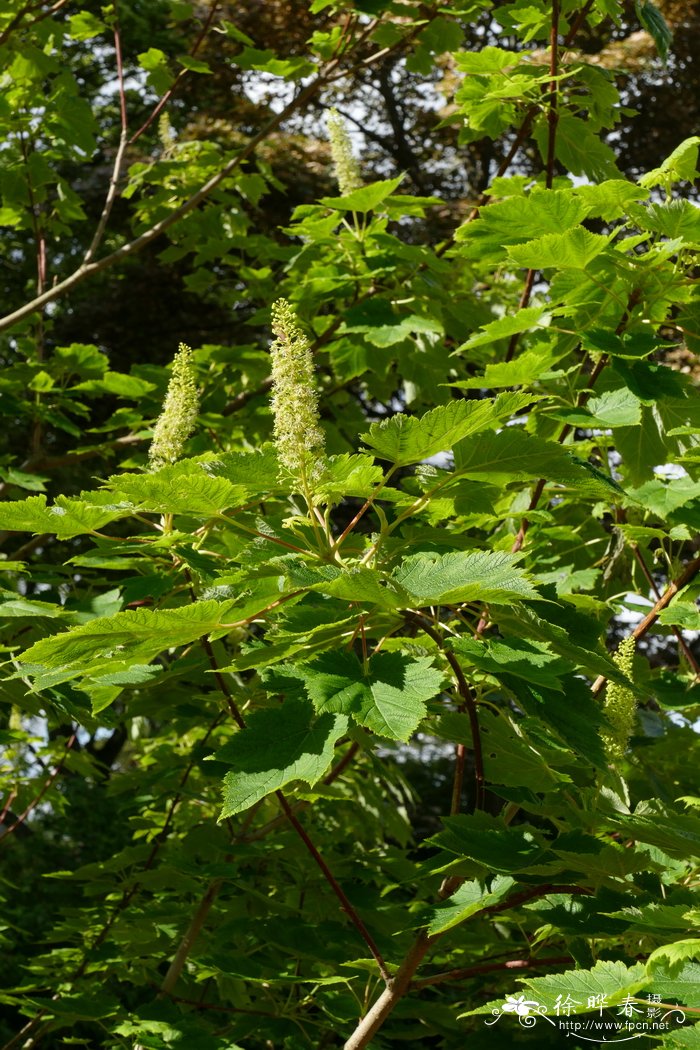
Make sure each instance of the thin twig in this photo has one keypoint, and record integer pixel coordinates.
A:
(336, 887)
(470, 706)
(163, 101)
(639, 557)
(47, 784)
(326, 76)
(689, 573)
(118, 158)
(466, 972)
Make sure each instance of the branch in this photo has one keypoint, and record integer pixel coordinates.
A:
(636, 551)
(119, 156)
(470, 707)
(389, 999)
(552, 115)
(581, 400)
(47, 784)
(87, 269)
(289, 813)
(689, 573)
(335, 886)
(162, 102)
(466, 972)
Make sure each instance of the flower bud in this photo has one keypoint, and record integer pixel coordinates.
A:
(179, 413)
(347, 169)
(298, 435)
(620, 706)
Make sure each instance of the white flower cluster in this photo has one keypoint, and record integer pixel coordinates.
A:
(179, 413)
(298, 436)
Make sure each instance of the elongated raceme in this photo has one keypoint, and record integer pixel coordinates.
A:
(298, 436)
(179, 414)
(347, 169)
(620, 705)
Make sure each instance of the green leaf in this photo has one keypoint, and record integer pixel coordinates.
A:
(614, 408)
(672, 956)
(610, 199)
(512, 454)
(485, 60)
(676, 834)
(507, 326)
(524, 370)
(388, 697)
(194, 65)
(612, 980)
(654, 22)
(65, 519)
(84, 26)
(155, 63)
(533, 661)
(589, 657)
(368, 198)
(490, 842)
(278, 746)
(575, 250)
(469, 899)
(406, 439)
(511, 759)
(136, 635)
(520, 219)
(182, 488)
(460, 576)
(681, 165)
(684, 614)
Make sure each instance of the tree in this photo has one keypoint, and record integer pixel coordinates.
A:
(370, 557)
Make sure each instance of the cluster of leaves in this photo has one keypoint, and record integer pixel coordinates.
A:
(510, 474)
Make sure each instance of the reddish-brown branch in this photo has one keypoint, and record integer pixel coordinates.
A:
(552, 110)
(37, 798)
(335, 886)
(466, 972)
(689, 573)
(469, 705)
(163, 101)
(27, 9)
(639, 557)
(581, 401)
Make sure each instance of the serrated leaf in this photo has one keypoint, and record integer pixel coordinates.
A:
(183, 488)
(460, 576)
(612, 980)
(513, 454)
(589, 656)
(469, 899)
(139, 634)
(533, 661)
(507, 326)
(278, 746)
(389, 697)
(406, 439)
(519, 219)
(65, 519)
(671, 957)
(488, 841)
(655, 24)
(677, 834)
(368, 198)
(574, 250)
(680, 165)
(684, 614)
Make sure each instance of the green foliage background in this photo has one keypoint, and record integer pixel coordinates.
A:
(399, 671)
